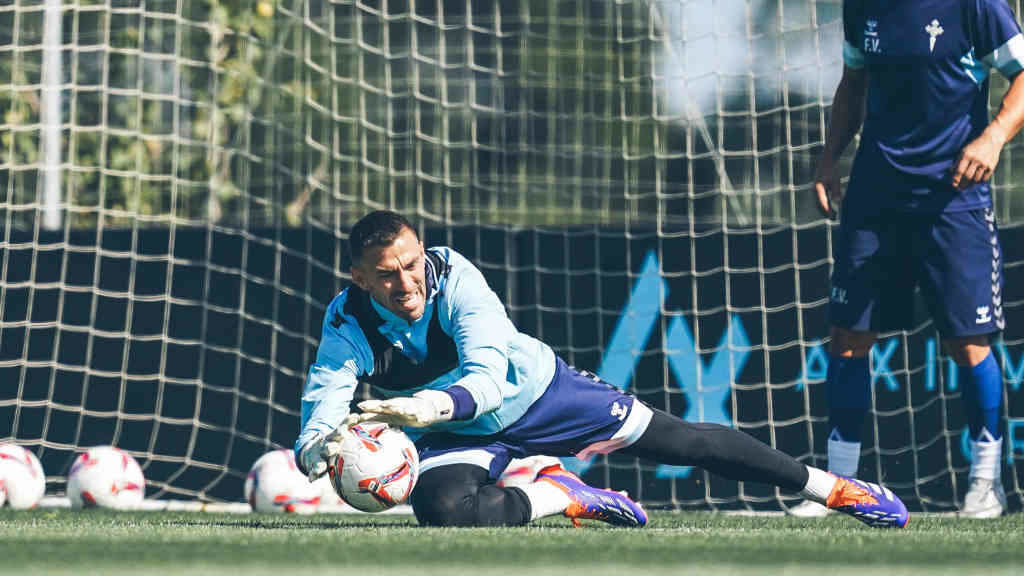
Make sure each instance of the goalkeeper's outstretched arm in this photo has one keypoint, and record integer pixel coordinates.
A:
(330, 386)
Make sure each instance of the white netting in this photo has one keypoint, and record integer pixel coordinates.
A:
(632, 177)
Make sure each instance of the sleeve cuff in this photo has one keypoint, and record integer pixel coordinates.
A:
(1008, 58)
(301, 445)
(464, 405)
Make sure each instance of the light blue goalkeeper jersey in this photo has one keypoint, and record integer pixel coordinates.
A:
(504, 370)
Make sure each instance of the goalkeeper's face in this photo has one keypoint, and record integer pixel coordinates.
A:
(395, 276)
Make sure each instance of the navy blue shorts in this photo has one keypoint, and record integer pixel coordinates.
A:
(954, 257)
(578, 415)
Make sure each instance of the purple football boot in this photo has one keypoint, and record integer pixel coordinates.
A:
(870, 503)
(591, 503)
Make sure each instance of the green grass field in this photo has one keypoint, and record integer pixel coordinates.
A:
(54, 541)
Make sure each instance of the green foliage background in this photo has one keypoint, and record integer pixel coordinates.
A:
(244, 113)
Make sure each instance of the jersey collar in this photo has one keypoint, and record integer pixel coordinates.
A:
(390, 319)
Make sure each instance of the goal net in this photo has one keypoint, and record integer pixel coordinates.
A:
(178, 178)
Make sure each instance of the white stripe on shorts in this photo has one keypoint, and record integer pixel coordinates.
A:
(481, 458)
(631, 431)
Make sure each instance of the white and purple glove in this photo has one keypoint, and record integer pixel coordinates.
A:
(422, 409)
(315, 454)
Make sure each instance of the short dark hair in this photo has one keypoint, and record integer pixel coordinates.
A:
(378, 228)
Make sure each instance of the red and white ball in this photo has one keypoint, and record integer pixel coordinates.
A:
(106, 477)
(275, 484)
(22, 482)
(329, 499)
(376, 469)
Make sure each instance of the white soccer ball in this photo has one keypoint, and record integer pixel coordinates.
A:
(376, 469)
(329, 499)
(22, 482)
(275, 484)
(106, 477)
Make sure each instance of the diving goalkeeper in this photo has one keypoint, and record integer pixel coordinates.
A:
(424, 329)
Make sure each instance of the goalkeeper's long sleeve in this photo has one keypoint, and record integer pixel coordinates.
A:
(331, 382)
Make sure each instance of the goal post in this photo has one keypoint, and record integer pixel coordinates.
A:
(632, 177)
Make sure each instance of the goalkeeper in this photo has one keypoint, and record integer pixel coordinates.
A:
(424, 329)
(919, 208)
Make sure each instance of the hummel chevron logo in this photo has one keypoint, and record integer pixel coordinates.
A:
(619, 411)
(983, 315)
(337, 321)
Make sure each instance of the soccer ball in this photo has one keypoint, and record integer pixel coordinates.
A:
(275, 484)
(376, 469)
(22, 482)
(329, 499)
(106, 477)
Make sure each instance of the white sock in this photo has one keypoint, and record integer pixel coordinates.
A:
(843, 457)
(545, 499)
(985, 454)
(819, 485)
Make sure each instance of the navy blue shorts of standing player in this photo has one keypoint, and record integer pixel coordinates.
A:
(954, 258)
(578, 415)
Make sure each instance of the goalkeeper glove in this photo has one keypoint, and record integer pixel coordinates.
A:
(422, 409)
(315, 454)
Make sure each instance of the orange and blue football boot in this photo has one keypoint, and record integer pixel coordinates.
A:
(591, 503)
(870, 503)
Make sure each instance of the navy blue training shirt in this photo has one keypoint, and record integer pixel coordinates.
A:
(927, 64)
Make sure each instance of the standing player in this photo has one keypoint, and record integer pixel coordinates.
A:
(919, 208)
(424, 328)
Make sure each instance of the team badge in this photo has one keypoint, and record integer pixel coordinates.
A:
(934, 30)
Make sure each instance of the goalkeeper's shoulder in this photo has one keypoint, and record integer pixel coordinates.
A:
(461, 280)
(342, 341)
(338, 319)
(453, 261)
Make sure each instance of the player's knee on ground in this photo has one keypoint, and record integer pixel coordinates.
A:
(849, 343)
(463, 495)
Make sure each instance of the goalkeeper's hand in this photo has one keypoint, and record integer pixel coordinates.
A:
(316, 453)
(422, 409)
